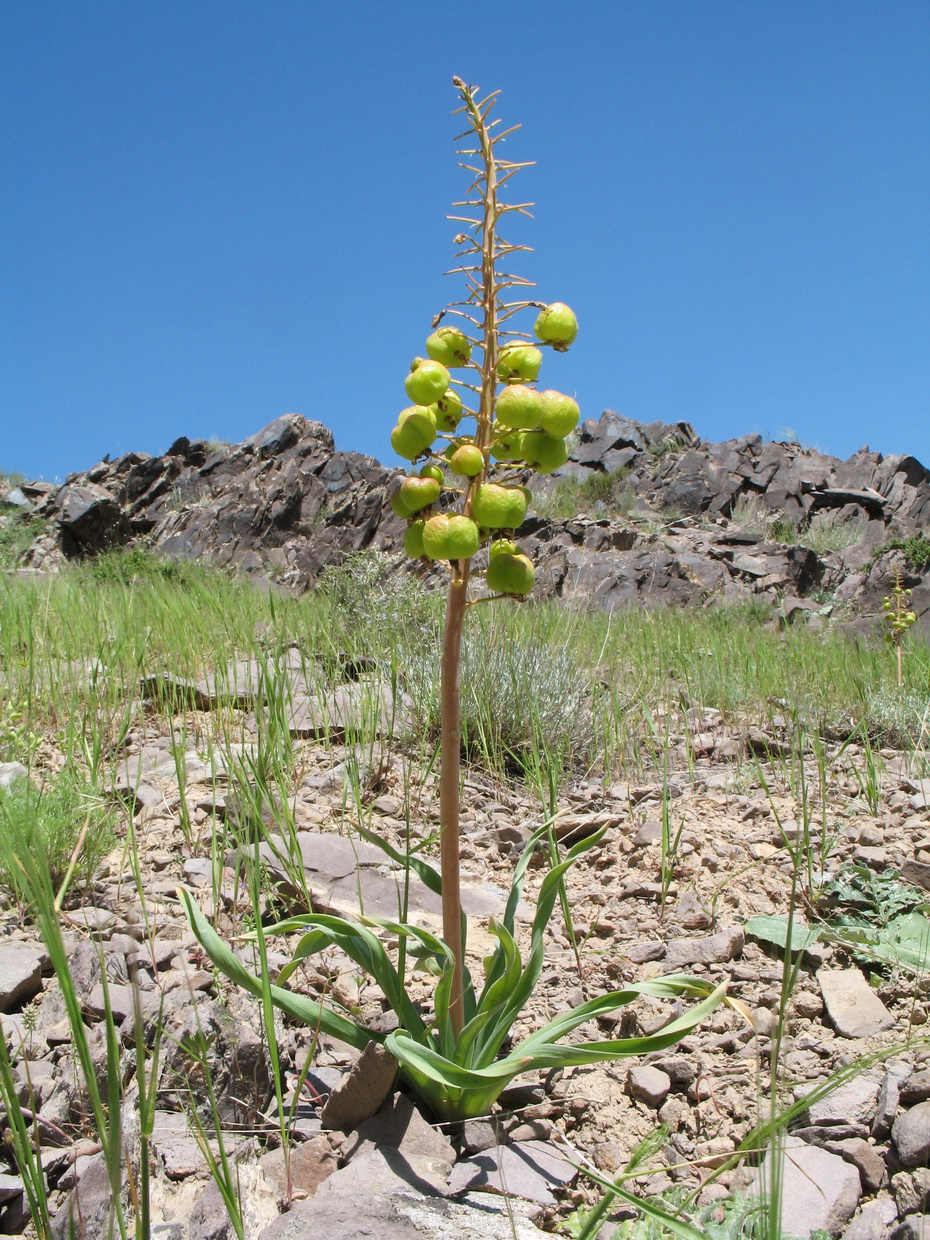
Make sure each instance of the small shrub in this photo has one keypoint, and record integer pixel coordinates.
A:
(48, 822)
(916, 550)
(379, 607)
(832, 531)
(750, 513)
(670, 446)
(899, 717)
(572, 496)
(521, 698)
(783, 530)
(129, 567)
(17, 533)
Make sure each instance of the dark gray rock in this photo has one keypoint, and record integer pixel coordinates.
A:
(400, 1125)
(86, 1211)
(285, 503)
(529, 1169)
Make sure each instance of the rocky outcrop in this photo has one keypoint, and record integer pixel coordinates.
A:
(285, 503)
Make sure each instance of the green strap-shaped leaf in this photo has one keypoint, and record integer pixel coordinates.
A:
(368, 952)
(670, 987)
(423, 870)
(309, 1011)
(490, 1025)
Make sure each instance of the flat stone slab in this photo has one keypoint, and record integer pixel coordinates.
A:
(356, 708)
(406, 1216)
(713, 949)
(855, 1102)
(819, 1190)
(854, 1008)
(348, 877)
(528, 1169)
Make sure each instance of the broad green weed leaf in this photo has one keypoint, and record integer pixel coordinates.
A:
(774, 930)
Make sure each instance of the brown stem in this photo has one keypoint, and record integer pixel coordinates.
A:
(453, 925)
(453, 928)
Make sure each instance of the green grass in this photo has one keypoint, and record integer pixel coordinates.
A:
(540, 680)
(607, 492)
(17, 533)
(827, 530)
(63, 821)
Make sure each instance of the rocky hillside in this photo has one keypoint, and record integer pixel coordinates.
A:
(683, 522)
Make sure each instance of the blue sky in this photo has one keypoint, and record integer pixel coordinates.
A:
(216, 213)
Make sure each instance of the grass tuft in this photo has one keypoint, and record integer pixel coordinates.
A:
(63, 822)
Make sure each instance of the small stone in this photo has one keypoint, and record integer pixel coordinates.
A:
(911, 1189)
(916, 1088)
(872, 1221)
(864, 1156)
(10, 772)
(889, 1097)
(362, 1090)
(20, 974)
(715, 949)
(640, 953)
(871, 837)
(120, 998)
(853, 1102)
(854, 1008)
(310, 1163)
(480, 1134)
(912, 1227)
(649, 1085)
(649, 833)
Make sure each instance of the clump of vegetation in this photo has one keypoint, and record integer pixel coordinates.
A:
(64, 822)
(379, 604)
(18, 532)
(137, 565)
(671, 445)
(523, 697)
(826, 530)
(916, 551)
(610, 492)
(831, 530)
